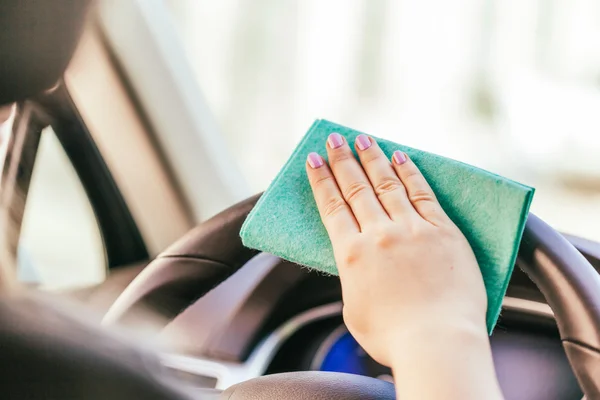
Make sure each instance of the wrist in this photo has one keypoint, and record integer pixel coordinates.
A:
(454, 358)
(434, 336)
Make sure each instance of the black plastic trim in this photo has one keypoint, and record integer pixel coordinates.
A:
(122, 240)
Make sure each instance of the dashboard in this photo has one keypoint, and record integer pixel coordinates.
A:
(340, 352)
(528, 356)
(272, 316)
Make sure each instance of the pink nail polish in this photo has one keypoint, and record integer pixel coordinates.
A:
(399, 157)
(314, 160)
(363, 142)
(335, 140)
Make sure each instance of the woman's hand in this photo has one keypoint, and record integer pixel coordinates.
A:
(410, 280)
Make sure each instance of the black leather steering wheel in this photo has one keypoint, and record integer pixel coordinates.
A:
(213, 251)
(65, 361)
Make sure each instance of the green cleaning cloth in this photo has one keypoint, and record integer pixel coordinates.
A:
(490, 211)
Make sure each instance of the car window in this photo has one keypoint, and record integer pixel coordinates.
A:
(509, 86)
(60, 246)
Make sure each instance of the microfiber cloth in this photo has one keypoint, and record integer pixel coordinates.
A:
(490, 210)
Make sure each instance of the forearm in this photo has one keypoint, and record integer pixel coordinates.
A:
(455, 363)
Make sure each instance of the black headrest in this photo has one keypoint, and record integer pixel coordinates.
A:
(37, 40)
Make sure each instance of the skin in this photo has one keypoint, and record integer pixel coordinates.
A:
(413, 293)
(5, 113)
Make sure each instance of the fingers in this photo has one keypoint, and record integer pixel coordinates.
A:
(419, 192)
(386, 183)
(350, 196)
(354, 185)
(335, 212)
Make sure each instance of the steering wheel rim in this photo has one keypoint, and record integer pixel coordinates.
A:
(571, 287)
(213, 251)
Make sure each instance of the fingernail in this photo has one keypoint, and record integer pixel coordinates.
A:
(335, 140)
(363, 142)
(399, 157)
(314, 160)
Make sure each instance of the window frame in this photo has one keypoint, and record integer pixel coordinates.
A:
(122, 240)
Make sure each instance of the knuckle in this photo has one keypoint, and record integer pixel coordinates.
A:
(322, 180)
(428, 234)
(388, 185)
(356, 189)
(412, 173)
(386, 238)
(333, 206)
(353, 253)
(352, 257)
(367, 159)
(421, 196)
(423, 234)
(340, 156)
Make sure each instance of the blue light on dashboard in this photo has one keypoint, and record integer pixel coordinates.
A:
(346, 355)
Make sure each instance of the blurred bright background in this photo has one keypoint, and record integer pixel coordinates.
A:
(510, 86)
(507, 85)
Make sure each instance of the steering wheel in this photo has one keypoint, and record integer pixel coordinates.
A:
(37, 343)
(213, 251)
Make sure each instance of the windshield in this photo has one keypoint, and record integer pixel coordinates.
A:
(509, 86)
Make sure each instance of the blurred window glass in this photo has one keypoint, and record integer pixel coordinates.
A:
(506, 85)
(60, 246)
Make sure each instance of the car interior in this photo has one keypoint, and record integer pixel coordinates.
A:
(185, 311)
